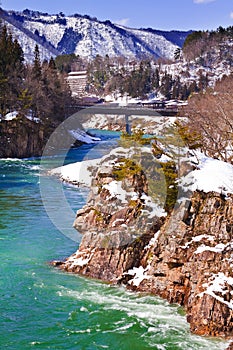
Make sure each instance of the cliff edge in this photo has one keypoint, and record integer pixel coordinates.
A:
(21, 138)
(184, 257)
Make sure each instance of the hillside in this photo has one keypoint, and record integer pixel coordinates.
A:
(88, 37)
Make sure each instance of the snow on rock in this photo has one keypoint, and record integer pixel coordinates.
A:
(153, 240)
(95, 122)
(198, 238)
(115, 189)
(33, 119)
(212, 176)
(80, 259)
(219, 248)
(215, 176)
(79, 173)
(152, 208)
(139, 274)
(217, 286)
(119, 152)
(82, 136)
(11, 116)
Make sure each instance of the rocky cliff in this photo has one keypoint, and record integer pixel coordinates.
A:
(20, 138)
(185, 257)
(191, 263)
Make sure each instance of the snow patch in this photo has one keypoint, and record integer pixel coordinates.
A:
(219, 248)
(116, 191)
(153, 208)
(198, 239)
(82, 136)
(33, 119)
(80, 259)
(153, 240)
(139, 274)
(79, 173)
(219, 285)
(212, 176)
(10, 116)
(95, 122)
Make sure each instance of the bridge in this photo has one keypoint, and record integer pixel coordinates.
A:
(125, 111)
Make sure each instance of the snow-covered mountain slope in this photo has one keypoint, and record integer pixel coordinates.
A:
(154, 43)
(28, 44)
(215, 63)
(87, 37)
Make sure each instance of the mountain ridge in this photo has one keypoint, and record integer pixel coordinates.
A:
(87, 36)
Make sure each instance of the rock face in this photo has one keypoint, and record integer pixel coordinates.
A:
(191, 264)
(185, 257)
(115, 230)
(20, 139)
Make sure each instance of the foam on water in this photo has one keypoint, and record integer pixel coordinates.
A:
(161, 325)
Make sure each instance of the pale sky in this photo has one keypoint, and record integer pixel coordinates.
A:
(157, 14)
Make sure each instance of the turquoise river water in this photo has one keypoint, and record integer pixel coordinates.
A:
(44, 308)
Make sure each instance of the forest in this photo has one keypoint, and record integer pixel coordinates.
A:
(36, 89)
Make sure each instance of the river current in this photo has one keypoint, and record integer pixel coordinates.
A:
(44, 308)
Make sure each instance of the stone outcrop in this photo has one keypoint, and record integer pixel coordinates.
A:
(21, 138)
(191, 264)
(115, 231)
(185, 257)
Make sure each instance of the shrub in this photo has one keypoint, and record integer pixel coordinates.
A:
(126, 168)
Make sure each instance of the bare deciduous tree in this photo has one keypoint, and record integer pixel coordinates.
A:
(211, 115)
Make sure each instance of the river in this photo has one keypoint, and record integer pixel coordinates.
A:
(44, 308)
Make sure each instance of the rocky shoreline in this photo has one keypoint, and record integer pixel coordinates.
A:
(185, 257)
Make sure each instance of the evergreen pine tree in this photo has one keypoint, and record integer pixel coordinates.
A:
(52, 65)
(11, 71)
(36, 69)
(166, 85)
(155, 79)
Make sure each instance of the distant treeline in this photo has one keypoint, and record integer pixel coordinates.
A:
(39, 89)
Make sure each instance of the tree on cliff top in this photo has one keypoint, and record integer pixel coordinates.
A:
(11, 71)
(199, 44)
(36, 68)
(49, 91)
(210, 114)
